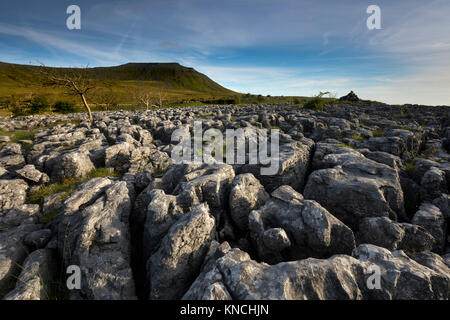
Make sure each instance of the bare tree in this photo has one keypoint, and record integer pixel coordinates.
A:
(145, 97)
(162, 96)
(75, 81)
(105, 98)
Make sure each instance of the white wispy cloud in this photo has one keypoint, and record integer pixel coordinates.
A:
(60, 43)
(407, 61)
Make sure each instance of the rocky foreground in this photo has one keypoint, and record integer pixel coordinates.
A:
(361, 186)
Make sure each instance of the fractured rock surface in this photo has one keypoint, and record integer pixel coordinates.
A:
(358, 187)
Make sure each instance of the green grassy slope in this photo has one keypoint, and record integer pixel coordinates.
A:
(176, 81)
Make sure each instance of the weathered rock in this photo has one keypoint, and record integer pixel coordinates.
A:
(209, 284)
(339, 277)
(433, 261)
(351, 96)
(275, 239)
(30, 173)
(446, 258)
(38, 239)
(433, 184)
(401, 277)
(4, 174)
(165, 130)
(53, 203)
(75, 164)
(393, 145)
(247, 279)
(294, 160)
(383, 232)
(430, 217)
(118, 155)
(96, 237)
(12, 193)
(443, 203)
(86, 193)
(356, 189)
(290, 228)
(11, 156)
(421, 166)
(398, 142)
(368, 145)
(161, 213)
(206, 183)
(12, 254)
(21, 214)
(321, 160)
(386, 158)
(37, 277)
(246, 194)
(148, 158)
(174, 266)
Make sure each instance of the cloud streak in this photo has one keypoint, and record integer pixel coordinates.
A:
(288, 47)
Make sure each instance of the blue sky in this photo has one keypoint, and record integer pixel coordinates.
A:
(283, 47)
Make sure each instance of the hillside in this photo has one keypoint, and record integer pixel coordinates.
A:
(178, 82)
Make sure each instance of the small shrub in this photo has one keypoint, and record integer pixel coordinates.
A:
(38, 105)
(17, 105)
(64, 107)
(316, 103)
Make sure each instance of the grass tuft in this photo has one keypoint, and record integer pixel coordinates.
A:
(16, 136)
(343, 145)
(66, 185)
(378, 133)
(357, 137)
(409, 167)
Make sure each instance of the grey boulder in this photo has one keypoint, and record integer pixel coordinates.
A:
(431, 218)
(30, 173)
(175, 265)
(357, 188)
(246, 194)
(94, 234)
(12, 193)
(37, 279)
(288, 227)
(74, 164)
(383, 232)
